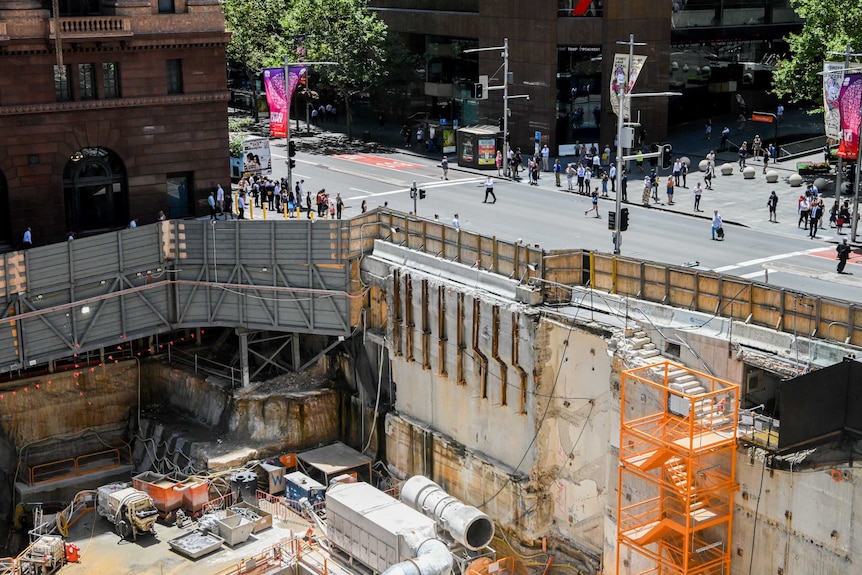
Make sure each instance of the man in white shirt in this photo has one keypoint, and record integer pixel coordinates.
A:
(456, 223)
(546, 154)
(219, 198)
(612, 175)
(489, 190)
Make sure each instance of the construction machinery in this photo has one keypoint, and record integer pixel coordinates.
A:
(130, 510)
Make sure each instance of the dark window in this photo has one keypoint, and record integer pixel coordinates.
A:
(87, 81)
(62, 87)
(180, 202)
(175, 76)
(111, 79)
(166, 6)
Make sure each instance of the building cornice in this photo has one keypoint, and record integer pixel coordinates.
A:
(166, 100)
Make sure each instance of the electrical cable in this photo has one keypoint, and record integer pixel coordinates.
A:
(377, 400)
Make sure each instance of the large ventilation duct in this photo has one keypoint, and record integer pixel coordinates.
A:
(464, 523)
(432, 558)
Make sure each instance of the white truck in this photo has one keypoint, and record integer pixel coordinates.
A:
(131, 511)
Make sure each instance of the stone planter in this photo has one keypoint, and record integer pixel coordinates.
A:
(703, 165)
(771, 176)
(748, 173)
(727, 169)
(795, 180)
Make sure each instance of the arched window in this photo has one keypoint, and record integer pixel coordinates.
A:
(95, 190)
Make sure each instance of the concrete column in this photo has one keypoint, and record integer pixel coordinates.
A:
(243, 358)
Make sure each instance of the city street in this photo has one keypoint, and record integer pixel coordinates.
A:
(754, 248)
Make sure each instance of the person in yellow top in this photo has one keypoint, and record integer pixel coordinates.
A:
(640, 160)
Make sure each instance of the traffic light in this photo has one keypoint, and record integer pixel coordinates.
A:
(666, 152)
(654, 148)
(292, 164)
(291, 148)
(612, 220)
(501, 123)
(478, 91)
(421, 194)
(624, 219)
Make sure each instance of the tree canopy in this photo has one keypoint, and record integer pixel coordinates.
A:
(340, 31)
(830, 25)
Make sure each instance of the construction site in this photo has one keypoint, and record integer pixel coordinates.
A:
(396, 396)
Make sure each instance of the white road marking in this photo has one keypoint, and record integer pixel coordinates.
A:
(359, 190)
(829, 276)
(442, 184)
(767, 259)
(752, 275)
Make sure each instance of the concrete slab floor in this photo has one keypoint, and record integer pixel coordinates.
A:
(103, 551)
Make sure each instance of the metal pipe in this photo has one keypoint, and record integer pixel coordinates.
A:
(464, 523)
(432, 558)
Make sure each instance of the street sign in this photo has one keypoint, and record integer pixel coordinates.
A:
(761, 117)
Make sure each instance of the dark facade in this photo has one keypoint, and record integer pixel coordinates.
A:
(120, 115)
(561, 54)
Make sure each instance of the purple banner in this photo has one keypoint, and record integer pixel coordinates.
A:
(273, 83)
(849, 103)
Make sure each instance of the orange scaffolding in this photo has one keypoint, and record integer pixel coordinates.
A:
(677, 472)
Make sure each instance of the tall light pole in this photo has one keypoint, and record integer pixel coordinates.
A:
(287, 66)
(505, 88)
(621, 119)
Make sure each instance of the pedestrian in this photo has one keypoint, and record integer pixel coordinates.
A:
(647, 191)
(498, 160)
(709, 128)
(558, 168)
(757, 145)
(211, 202)
(546, 155)
(534, 173)
(364, 206)
(612, 175)
(162, 216)
(804, 209)
(772, 204)
(219, 199)
(240, 207)
(581, 173)
(595, 201)
(456, 223)
(725, 133)
(843, 216)
(677, 170)
(28, 239)
(639, 160)
(605, 179)
(698, 191)
(307, 202)
(717, 225)
(70, 236)
(684, 173)
(710, 158)
(227, 206)
(710, 173)
(843, 255)
(833, 214)
(653, 181)
(570, 177)
(814, 218)
(743, 154)
(444, 163)
(489, 190)
(339, 205)
(669, 190)
(780, 112)
(624, 181)
(765, 159)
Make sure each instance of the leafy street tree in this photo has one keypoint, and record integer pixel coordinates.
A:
(256, 35)
(830, 25)
(341, 31)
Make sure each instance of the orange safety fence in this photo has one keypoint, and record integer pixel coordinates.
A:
(76, 466)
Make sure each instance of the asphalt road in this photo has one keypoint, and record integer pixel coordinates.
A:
(781, 254)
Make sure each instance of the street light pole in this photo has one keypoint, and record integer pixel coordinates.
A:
(505, 88)
(621, 118)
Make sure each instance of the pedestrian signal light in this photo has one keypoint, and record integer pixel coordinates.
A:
(291, 148)
(478, 91)
(624, 219)
(421, 194)
(666, 153)
(292, 164)
(612, 220)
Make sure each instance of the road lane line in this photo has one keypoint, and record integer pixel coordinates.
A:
(758, 261)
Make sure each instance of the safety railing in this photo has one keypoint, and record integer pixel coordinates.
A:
(201, 364)
(76, 466)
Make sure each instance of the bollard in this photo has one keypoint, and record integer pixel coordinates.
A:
(284, 204)
(251, 210)
(264, 211)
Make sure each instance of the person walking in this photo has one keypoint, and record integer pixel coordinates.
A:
(772, 204)
(804, 208)
(725, 134)
(339, 205)
(765, 159)
(489, 190)
(27, 240)
(843, 217)
(595, 200)
(709, 128)
(710, 174)
(456, 223)
(698, 191)
(211, 202)
(219, 199)
(743, 154)
(498, 160)
(833, 214)
(814, 218)
(717, 225)
(227, 206)
(624, 182)
(843, 255)
(558, 168)
(669, 190)
(444, 163)
(240, 207)
(364, 207)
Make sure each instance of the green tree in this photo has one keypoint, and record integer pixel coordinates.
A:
(830, 25)
(340, 31)
(256, 35)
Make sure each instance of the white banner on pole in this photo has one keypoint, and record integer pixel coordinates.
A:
(620, 84)
(833, 76)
